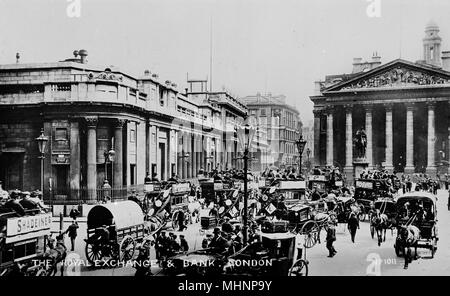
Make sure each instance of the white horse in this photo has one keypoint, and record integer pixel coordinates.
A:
(409, 236)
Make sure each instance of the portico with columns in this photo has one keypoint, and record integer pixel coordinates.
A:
(406, 131)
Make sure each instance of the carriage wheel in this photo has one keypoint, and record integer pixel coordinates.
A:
(93, 253)
(300, 268)
(127, 248)
(310, 230)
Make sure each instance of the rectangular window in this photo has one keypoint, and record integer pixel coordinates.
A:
(61, 134)
(161, 97)
(132, 136)
(263, 112)
(132, 174)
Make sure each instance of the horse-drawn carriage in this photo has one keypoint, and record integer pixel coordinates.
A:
(275, 254)
(24, 243)
(113, 231)
(367, 191)
(212, 190)
(179, 203)
(304, 217)
(383, 206)
(416, 228)
(320, 182)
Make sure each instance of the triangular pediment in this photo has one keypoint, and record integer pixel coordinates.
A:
(396, 74)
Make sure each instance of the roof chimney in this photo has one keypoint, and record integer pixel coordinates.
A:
(83, 55)
(357, 65)
(376, 60)
(147, 72)
(446, 60)
(17, 58)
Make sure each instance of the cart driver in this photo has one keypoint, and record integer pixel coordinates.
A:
(218, 243)
(406, 211)
(103, 234)
(315, 194)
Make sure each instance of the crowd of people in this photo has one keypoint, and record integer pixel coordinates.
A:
(21, 202)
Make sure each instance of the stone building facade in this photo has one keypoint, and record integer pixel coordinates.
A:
(280, 123)
(403, 107)
(86, 111)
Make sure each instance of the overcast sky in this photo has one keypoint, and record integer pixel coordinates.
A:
(279, 46)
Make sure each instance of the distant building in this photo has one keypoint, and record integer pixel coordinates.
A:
(308, 135)
(280, 123)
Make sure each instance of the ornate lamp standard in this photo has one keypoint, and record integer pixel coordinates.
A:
(42, 144)
(300, 143)
(245, 135)
(308, 153)
(109, 157)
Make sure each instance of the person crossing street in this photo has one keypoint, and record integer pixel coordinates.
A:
(331, 238)
(353, 225)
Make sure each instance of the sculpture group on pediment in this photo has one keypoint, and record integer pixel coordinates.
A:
(399, 76)
(105, 76)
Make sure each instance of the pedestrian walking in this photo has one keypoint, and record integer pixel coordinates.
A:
(331, 238)
(74, 213)
(72, 233)
(353, 225)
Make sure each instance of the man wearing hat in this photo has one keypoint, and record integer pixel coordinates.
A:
(3, 193)
(331, 237)
(183, 243)
(13, 203)
(27, 203)
(226, 226)
(315, 194)
(218, 242)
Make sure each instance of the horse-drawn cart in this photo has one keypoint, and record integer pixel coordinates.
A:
(383, 206)
(113, 231)
(417, 219)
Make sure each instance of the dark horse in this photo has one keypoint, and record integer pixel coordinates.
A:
(380, 222)
(57, 255)
(408, 236)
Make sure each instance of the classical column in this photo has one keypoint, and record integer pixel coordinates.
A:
(74, 160)
(330, 137)
(92, 157)
(118, 148)
(179, 154)
(199, 156)
(431, 166)
(194, 155)
(316, 156)
(409, 168)
(389, 139)
(369, 148)
(348, 138)
(183, 153)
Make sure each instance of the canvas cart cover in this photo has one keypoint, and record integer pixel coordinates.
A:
(123, 214)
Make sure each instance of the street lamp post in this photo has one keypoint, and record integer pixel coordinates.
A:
(308, 153)
(109, 156)
(42, 144)
(300, 143)
(245, 135)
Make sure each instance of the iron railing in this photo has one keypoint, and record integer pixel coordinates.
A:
(91, 196)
